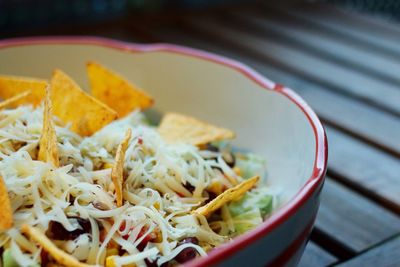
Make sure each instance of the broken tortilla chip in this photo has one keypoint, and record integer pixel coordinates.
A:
(115, 91)
(12, 101)
(11, 86)
(72, 104)
(48, 151)
(231, 194)
(59, 255)
(180, 128)
(6, 214)
(117, 171)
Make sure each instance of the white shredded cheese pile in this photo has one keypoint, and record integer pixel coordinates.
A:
(156, 198)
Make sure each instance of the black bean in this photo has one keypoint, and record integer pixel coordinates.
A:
(58, 232)
(211, 147)
(189, 187)
(72, 200)
(211, 196)
(188, 253)
(186, 240)
(84, 223)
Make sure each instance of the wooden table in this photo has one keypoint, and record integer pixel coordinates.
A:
(347, 67)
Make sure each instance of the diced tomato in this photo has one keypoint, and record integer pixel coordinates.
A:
(122, 226)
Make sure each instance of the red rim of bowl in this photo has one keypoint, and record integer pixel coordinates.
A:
(321, 149)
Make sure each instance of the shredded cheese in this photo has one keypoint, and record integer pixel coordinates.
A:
(164, 183)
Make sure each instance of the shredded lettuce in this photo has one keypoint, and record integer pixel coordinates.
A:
(246, 221)
(257, 198)
(8, 260)
(250, 210)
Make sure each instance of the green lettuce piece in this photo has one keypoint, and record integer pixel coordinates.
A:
(250, 210)
(250, 165)
(246, 221)
(257, 198)
(8, 260)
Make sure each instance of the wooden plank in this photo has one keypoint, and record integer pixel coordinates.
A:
(335, 109)
(316, 256)
(347, 23)
(358, 19)
(342, 51)
(384, 95)
(363, 38)
(365, 168)
(342, 211)
(386, 254)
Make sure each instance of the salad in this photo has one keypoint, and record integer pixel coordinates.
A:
(87, 180)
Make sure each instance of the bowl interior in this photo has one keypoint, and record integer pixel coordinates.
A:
(266, 122)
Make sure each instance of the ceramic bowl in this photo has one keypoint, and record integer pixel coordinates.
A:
(269, 119)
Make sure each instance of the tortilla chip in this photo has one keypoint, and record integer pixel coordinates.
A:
(12, 85)
(48, 151)
(117, 171)
(59, 255)
(231, 194)
(115, 91)
(6, 214)
(72, 104)
(13, 101)
(180, 128)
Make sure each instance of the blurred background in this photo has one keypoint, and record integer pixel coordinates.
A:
(18, 17)
(341, 56)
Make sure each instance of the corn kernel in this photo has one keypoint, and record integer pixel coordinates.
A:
(107, 165)
(110, 261)
(112, 251)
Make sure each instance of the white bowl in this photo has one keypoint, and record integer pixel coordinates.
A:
(269, 119)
